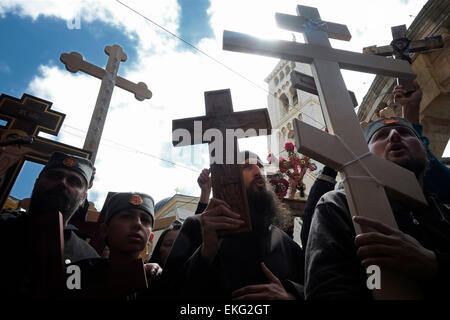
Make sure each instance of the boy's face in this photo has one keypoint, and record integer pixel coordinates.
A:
(129, 231)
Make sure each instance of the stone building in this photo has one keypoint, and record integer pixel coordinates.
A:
(285, 103)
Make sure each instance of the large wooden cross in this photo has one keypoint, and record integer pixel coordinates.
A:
(74, 62)
(26, 117)
(226, 173)
(345, 148)
(401, 47)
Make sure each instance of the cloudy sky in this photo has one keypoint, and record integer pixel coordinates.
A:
(136, 153)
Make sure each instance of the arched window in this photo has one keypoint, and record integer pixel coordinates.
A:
(281, 75)
(284, 101)
(276, 80)
(288, 70)
(294, 95)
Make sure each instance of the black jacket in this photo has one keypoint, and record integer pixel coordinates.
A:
(334, 271)
(237, 264)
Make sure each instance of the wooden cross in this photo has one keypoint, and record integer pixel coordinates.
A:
(226, 174)
(401, 47)
(304, 82)
(345, 148)
(26, 117)
(45, 247)
(74, 62)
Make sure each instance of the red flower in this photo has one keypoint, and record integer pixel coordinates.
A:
(289, 146)
(280, 185)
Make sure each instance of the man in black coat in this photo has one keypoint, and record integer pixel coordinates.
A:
(336, 258)
(61, 187)
(262, 264)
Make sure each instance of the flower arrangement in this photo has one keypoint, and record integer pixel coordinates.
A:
(293, 168)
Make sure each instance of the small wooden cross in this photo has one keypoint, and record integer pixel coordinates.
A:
(74, 62)
(45, 248)
(401, 47)
(226, 174)
(365, 175)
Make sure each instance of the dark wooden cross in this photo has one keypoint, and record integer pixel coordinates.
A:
(366, 176)
(26, 117)
(401, 47)
(304, 82)
(219, 123)
(45, 249)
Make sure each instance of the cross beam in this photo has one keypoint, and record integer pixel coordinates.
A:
(306, 53)
(364, 195)
(74, 62)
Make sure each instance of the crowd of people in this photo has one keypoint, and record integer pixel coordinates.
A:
(195, 260)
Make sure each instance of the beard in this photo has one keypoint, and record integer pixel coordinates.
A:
(417, 166)
(267, 209)
(52, 200)
(262, 209)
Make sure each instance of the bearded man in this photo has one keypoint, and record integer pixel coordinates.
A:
(61, 187)
(336, 258)
(262, 264)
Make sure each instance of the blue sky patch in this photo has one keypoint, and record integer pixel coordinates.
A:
(194, 21)
(27, 44)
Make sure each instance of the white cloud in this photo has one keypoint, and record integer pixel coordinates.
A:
(178, 79)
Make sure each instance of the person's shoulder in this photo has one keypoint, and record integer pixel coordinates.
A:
(10, 217)
(333, 206)
(7, 214)
(81, 245)
(276, 231)
(192, 220)
(92, 263)
(334, 197)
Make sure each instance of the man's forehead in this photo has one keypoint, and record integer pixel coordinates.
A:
(134, 211)
(69, 173)
(397, 127)
(254, 161)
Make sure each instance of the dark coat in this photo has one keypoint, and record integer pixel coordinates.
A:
(16, 269)
(237, 264)
(332, 267)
